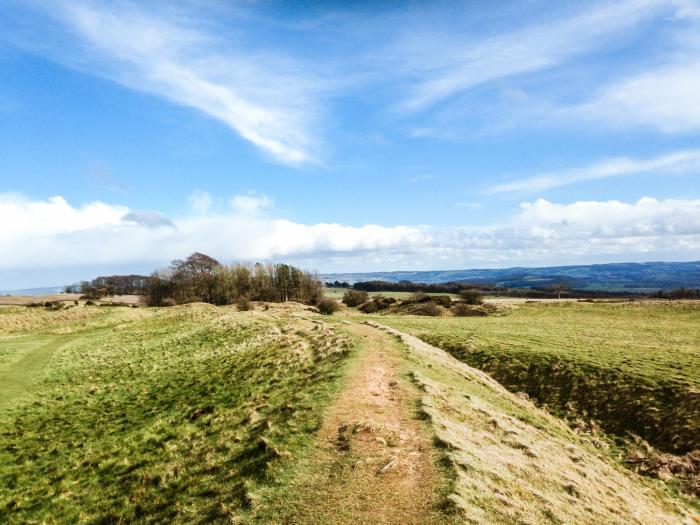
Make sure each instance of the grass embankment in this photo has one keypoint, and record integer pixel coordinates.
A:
(515, 463)
(632, 366)
(165, 416)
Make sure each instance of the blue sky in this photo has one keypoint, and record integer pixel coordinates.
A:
(349, 136)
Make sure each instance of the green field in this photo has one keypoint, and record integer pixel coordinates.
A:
(634, 366)
(337, 293)
(173, 415)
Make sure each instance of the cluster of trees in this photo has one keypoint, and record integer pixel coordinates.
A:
(109, 285)
(338, 284)
(202, 278)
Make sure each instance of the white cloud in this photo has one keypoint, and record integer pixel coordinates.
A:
(666, 98)
(442, 66)
(24, 219)
(677, 162)
(200, 202)
(52, 233)
(251, 203)
(267, 98)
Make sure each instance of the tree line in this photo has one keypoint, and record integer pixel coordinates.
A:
(108, 285)
(558, 290)
(410, 286)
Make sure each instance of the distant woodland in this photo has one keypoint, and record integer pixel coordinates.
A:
(204, 279)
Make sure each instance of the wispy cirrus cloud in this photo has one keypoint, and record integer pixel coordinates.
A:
(677, 162)
(439, 67)
(666, 98)
(268, 98)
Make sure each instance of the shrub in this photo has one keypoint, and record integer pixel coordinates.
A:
(462, 309)
(382, 303)
(355, 297)
(472, 296)
(369, 307)
(419, 297)
(89, 302)
(243, 304)
(328, 306)
(442, 300)
(430, 309)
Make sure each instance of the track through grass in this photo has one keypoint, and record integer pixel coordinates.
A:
(21, 372)
(374, 462)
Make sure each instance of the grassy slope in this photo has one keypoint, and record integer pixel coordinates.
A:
(175, 415)
(634, 366)
(514, 463)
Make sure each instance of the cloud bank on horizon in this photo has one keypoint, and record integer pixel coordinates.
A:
(101, 234)
(379, 137)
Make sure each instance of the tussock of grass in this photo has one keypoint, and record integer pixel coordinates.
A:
(177, 417)
(515, 463)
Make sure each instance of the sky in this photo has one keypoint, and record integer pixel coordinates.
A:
(348, 136)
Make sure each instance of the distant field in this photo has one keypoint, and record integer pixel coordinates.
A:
(635, 366)
(337, 293)
(23, 300)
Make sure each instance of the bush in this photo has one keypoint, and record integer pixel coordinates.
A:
(328, 306)
(442, 300)
(243, 304)
(382, 303)
(462, 309)
(355, 297)
(430, 309)
(472, 296)
(368, 308)
(89, 303)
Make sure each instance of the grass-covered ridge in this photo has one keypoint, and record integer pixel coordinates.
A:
(515, 463)
(633, 366)
(174, 415)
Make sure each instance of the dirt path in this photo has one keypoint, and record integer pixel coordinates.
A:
(376, 463)
(19, 377)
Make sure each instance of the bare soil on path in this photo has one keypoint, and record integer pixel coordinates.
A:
(376, 463)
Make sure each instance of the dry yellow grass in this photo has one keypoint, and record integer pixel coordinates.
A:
(515, 463)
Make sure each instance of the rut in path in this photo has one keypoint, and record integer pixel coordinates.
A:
(376, 463)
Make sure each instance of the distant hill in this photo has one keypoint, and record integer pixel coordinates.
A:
(642, 277)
